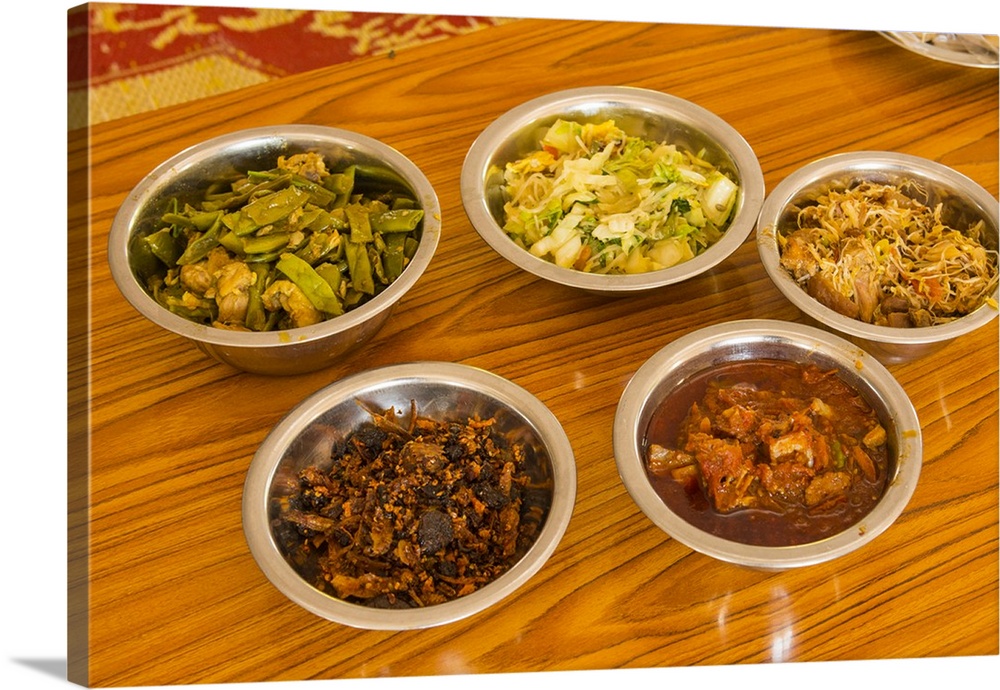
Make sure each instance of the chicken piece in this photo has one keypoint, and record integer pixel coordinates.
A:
(823, 291)
(820, 408)
(786, 480)
(662, 461)
(772, 427)
(199, 277)
(821, 456)
(866, 294)
(687, 476)
(827, 487)
(895, 303)
(727, 471)
(232, 291)
(857, 259)
(506, 479)
(310, 165)
(284, 294)
(876, 437)
(696, 421)
(738, 421)
(795, 446)
(797, 255)
(921, 318)
(896, 319)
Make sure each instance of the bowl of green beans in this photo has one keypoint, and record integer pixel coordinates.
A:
(276, 250)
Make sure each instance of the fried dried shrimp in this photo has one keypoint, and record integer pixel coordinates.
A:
(412, 515)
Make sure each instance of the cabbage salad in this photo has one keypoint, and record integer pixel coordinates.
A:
(597, 200)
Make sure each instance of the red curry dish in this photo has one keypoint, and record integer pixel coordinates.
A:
(769, 453)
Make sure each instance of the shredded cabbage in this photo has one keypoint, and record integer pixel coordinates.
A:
(597, 200)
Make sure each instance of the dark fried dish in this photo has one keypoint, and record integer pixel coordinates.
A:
(412, 514)
(770, 452)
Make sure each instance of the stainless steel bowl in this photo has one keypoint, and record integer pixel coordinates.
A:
(639, 112)
(187, 173)
(753, 340)
(443, 391)
(961, 197)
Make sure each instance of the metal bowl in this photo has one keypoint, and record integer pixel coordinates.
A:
(187, 173)
(442, 391)
(961, 197)
(755, 340)
(639, 112)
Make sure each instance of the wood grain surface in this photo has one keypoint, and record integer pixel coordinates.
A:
(163, 589)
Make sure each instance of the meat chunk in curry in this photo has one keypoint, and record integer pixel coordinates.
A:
(777, 438)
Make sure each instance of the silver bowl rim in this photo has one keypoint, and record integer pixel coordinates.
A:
(476, 164)
(627, 440)
(121, 232)
(265, 461)
(860, 162)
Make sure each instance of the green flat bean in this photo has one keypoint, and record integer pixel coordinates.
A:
(359, 267)
(404, 202)
(320, 246)
(273, 207)
(342, 183)
(265, 243)
(256, 318)
(397, 220)
(144, 262)
(242, 192)
(164, 246)
(178, 301)
(239, 223)
(315, 288)
(359, 221)
(263, 258)
(410, 246)
(331, 274)
(376, 250)
(376, 176)
(393, 258)
(321, 220)
(200, 221)
(199, 248)
(233, 242)
(319, 195)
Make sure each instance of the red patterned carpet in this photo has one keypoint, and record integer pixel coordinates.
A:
(127, 58)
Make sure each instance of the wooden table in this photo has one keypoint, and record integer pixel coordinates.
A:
(163, 588)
